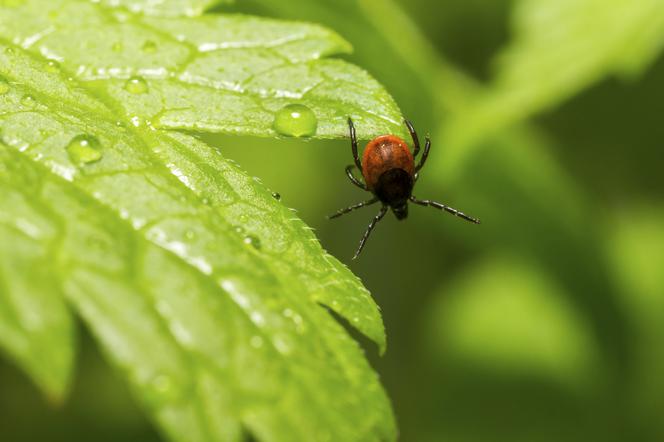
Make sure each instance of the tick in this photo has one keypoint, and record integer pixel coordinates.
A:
(389, 172)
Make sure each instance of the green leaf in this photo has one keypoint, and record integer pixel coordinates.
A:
(35, 326)
(505, 315)
(635, 251)
(218, 73)
(167, 8)
(559, 48)
(201, 286)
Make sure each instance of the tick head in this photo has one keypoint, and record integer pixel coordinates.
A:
(400, 211)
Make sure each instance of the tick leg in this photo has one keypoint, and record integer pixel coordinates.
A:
(351, 177)
(340, 212)
(372, 224)
(413, 135)
(448, 209)
(353, 143)
(427, 146)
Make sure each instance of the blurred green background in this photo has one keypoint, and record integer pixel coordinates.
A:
(545, 323)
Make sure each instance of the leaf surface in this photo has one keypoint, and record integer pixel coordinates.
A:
(559, 48)
(201, 286)
(216, 73)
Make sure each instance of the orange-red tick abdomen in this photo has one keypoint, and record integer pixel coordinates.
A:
(385, 153)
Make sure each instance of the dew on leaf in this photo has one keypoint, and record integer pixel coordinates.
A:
(276, 196)
(136, 85)
(239, 229)
(295, 120)
(84, 149)
(149, 46)
(162, 388)
(256, 341)
(253, 241)
(28, 100)
(52, 66)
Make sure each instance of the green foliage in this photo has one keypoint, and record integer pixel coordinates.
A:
(544, 323)
(227, 73)
(505, 315)
(558, 49)
(202, 287)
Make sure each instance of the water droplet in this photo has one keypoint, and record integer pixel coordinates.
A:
(256, 341)
(117, 46)
(206, 201)
(239, 229)
(84, 149)
(276, 196)
(149, 46)
(295, 120)
(163, 388)
(28, 100)
(52, 66)
(4, 86)
(136, 85)
(190, 234)
(253, 241)
(9, 50)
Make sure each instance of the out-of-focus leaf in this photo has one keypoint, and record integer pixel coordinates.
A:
(636, 253)
(559, 48)
(506, 316)
(200, 285)
(35, 326)
(217, 73)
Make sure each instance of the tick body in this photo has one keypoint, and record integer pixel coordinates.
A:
(389, 172)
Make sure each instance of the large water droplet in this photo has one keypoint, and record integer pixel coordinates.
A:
(136, 85)
(84, 149)
(295, 120)
(149, 46)
(253, 241)
(4, 86)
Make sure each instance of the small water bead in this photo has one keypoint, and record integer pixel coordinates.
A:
(84, 149)
(256, 341)
(276, 196)
(149, 46)
(117, 46)
(295, 120)
(136, 85)
(4, 86)
(52, 66)
(252, 241)
(28, 100)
